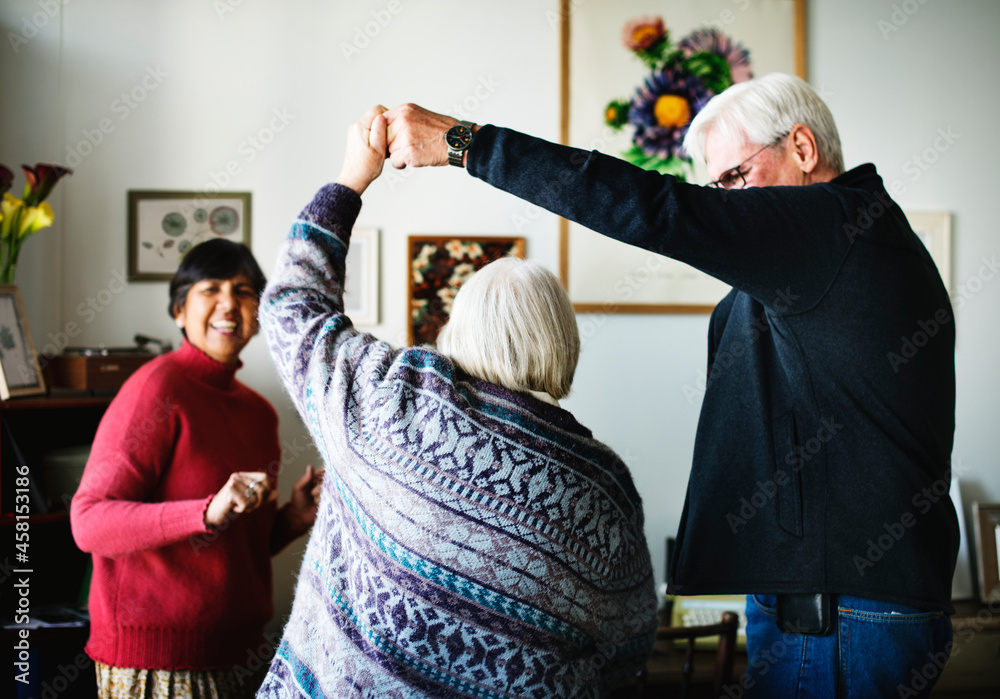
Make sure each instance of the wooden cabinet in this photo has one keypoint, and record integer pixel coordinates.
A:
(39, 562)
(973, 670)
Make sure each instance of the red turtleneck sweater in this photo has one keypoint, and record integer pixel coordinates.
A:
(167, 592)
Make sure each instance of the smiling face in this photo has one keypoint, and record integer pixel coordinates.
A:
(219, 316)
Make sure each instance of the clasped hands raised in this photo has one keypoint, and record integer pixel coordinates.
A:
(406, 135)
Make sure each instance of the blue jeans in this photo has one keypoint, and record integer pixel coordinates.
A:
(876, 649)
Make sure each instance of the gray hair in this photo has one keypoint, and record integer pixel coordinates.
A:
(512, 324)
(763, 110)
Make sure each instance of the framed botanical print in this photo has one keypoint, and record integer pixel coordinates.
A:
(164, 225)
(20, 373)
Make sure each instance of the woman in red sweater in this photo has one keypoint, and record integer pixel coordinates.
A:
(178, 503)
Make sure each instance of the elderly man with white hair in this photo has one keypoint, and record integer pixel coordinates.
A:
(472, 539)
(822, 457)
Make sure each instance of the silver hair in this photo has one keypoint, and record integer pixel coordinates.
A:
(761, 111)
(512, 324)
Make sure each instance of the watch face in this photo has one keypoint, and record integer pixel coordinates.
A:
(458, 137)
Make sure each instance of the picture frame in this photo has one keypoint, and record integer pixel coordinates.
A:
(962, 586)
(20, 372)
(361, 278)
(602, 275)
(986, 521)
(934, 230)
(437, 266)
(164, 225)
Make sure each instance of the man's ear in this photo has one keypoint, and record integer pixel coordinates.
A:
(804, 149)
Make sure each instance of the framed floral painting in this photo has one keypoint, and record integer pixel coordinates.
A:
(438, 266)
(634, 74)
(164, 225)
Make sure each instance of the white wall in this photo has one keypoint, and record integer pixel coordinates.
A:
(214, 78)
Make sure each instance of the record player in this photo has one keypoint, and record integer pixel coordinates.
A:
(100, 369)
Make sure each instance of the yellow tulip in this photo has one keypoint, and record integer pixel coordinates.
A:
(35, 218)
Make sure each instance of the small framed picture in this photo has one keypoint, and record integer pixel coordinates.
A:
(934, 230)
(163, 226)
(361, 279)
(20, 374)
(986, 520)
(438, 266)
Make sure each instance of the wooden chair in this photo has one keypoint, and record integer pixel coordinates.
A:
(725, 630)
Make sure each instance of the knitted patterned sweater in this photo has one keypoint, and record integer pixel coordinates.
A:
(471, 541)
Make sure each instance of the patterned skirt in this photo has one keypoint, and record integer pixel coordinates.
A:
(132, 683)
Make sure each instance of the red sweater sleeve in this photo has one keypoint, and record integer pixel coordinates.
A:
(112, 513)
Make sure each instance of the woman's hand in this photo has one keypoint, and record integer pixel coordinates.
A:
(244, 492)
(366, 150)
(300, 511)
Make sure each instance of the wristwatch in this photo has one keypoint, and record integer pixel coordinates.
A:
(458, 139)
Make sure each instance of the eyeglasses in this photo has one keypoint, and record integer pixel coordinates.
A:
(734, 177)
